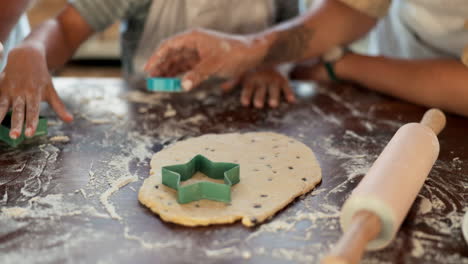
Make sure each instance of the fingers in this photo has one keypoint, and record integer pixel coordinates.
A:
(17, 117)
(247, 92)
(4, 106)
(176, 63)
(274, 92)
(32, 116)
(257, 86)
(57, 104)
(288, 92)
(260, 95)
(162, 51)
(172, 51)
(229, 85)
(199, 74)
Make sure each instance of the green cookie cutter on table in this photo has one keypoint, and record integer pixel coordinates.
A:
(163, 84)
(173, 175)
(5, 131)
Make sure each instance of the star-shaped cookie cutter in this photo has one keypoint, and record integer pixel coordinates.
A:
(174, 174)
(5, 131)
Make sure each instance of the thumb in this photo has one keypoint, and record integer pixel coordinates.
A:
(202, 72)
(57, 104)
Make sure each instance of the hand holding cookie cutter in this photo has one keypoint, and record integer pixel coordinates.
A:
(160, 84)
(5, 131)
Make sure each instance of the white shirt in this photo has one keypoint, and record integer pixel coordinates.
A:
(19, 32)
(422, 29)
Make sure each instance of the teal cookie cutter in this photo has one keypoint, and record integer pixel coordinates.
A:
(5, 131)
(163, 84)
(173, 175)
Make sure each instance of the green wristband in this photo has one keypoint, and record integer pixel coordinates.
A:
(331, 72)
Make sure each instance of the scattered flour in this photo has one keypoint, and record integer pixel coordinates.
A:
(246, 254)
(145, 98)
(115, 186)
(14, 212)
(350, 133)
(50, 206)
(148, 245)
(220, 252)
(354, 160)
(425, 205)
(196, 119)
(418, 250)
(100, 121)
(292, 255)
(53, 123)
(201, 95)
(368, 125)
(170, 112)
(83, 193)
(142, 110)
(273, 227)
(327, 117)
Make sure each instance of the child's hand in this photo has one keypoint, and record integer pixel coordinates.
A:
(26, 83)
(315, 72)
(259, 85)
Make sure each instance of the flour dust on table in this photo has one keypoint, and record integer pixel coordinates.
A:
(274, 170)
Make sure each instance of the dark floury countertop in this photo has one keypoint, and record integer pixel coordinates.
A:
(56, 197)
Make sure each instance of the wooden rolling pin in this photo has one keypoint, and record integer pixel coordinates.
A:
(375, 210)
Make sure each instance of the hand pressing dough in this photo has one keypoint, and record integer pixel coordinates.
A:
(274, 169)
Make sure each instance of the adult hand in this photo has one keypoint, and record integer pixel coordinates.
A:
(204, 55)
(26, 83)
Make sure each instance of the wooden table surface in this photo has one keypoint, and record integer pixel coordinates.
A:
(52, 194)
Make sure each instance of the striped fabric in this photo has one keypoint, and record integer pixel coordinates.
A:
(100, 14)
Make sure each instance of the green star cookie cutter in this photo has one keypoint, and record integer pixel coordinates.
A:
(173, 175)
(5, 131)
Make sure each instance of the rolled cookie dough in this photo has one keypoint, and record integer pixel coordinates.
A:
(274, 169)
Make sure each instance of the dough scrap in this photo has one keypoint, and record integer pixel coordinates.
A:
(60, 139)
(274, 170)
